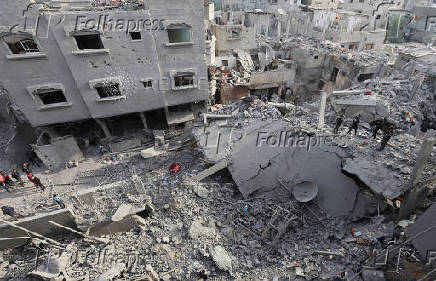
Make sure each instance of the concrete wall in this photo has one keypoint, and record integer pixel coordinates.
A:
(368, 7)
(128, 60)
(224, 45)
(38, 224)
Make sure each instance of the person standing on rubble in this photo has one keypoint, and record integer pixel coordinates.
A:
(355, 125)
(377, 125)
(25, 168)
(17, 177)
(388, 131)
(59, 201)
(339, 120)
(38, 183)
(3, 183)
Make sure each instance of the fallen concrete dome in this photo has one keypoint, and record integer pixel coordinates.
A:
(305, 191)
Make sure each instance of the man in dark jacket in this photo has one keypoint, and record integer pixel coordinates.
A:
(339, 120)
(355, 125)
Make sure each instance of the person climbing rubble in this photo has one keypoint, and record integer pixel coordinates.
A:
(38, 183)
(355, 125)
(388, 131)
(30, 177)
(339, 120)
(59, 201)
(17, 177)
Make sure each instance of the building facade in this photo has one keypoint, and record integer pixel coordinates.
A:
(105, 62)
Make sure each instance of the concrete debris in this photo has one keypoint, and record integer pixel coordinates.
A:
(377, 176)
(125, 210)
(423, 231)
(197, 230)
(373, 275)
(112, 273)
(221, 258)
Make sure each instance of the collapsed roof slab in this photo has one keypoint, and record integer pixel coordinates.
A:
(257, 166)
(423, 232)
(377, 176)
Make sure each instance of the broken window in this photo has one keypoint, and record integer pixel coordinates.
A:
(225, 62)
(369, 46)
(50, 96)
(19, 44)
(361, 1)
(88, 41)
(234, 33)
(179, 34)
(180, 108)
(183, 79)
(135, 35)
(365, 76)
(334, 74)
(148, 83)
(378, 17)
(107, 90)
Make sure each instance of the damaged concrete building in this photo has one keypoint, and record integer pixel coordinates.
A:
(104, 71)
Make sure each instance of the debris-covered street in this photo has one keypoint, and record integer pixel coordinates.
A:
(217, 140)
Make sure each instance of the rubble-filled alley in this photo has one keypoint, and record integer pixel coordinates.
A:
(217, 140)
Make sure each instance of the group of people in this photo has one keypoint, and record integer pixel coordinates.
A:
(380, 124)
(6, 181)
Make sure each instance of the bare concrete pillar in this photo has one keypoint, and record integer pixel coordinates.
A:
(288, 25)
(322, 105)
(414, 196)
(279, 27)
(143, 119)
(103, 126)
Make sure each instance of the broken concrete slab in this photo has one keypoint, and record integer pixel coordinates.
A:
(212, 170)
(125, 144)
(197, 230)
(39, 224)
(376, 176)
(423, 232)
(151, 152)
(373, 275)
(221, 258)
(111, 273)
(125, 210)
(257, 166)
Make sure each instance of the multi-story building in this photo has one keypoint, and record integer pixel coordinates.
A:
(423, 26)
(76, 63)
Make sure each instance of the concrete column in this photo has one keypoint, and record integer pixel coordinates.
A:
(417, 193)
(288, 25)
(322, 105)
(143, 119)
(279, 27)
(103, 126)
